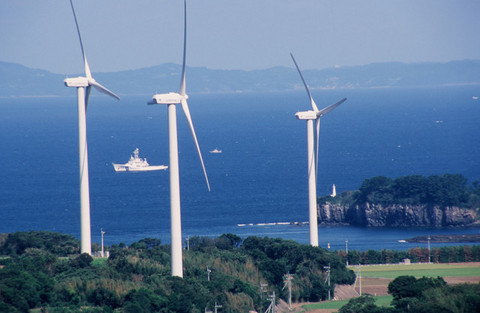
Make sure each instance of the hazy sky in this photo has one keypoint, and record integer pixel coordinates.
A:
(234, 34)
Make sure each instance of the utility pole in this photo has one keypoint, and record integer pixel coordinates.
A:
(271, 307)
(428, 238)
(188, 243)
(288, 284)
(263, 289)
(327, 268)
(346, 251)
(360, 275)
(102, 233)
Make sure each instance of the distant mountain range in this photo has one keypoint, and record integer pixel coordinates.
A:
(17, 80)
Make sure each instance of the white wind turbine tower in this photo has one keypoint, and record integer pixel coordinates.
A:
(171, 100)
(310, 116)
(82, 83)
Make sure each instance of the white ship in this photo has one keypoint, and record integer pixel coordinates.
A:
(137, 164)
(215, 151)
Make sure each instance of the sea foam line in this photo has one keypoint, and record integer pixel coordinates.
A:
(273, 224)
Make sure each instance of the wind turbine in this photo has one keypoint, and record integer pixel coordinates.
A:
(310, 116)
(82, 83)
(171, 100)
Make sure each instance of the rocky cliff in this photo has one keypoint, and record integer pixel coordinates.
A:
(375, 215)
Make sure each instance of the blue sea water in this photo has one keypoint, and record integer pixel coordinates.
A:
(261, 176)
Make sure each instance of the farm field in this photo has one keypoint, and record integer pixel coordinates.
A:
(379, 300)
(375, 280)
(420, 270)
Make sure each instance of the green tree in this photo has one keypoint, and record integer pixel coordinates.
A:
(447, 190)
(59, 244)
(81, 261)
(372, 257)
(23, 290)
(103, 297)
(143, 301)
(146, 243)
(402, 287)
(409, 189)
(363, 304)
(228, 241)
(375, 190)
(407, 290)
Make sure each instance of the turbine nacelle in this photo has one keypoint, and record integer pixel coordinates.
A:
(168, 98)
(76, 82)
(83, 82)
(307, 115)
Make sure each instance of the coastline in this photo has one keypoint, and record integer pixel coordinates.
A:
(445, 239)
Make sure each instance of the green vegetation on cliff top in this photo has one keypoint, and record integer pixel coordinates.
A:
(444, 190)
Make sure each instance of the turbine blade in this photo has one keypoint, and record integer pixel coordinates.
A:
(87, 96)
(314, 106)
(88, 73)
(330, 107)
(183, 80)
(190, 123)
(85, 63)
(103, 89)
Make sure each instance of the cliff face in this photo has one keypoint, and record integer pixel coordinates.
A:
(395, 215)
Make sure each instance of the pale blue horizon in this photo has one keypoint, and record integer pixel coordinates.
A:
(226, 34)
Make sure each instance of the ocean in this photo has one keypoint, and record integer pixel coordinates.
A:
(261, 176)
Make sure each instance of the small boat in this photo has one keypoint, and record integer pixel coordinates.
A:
(137, 164)
(215, 151)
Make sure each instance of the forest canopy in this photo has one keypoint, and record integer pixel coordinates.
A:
(444, 190)
(45, 270)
